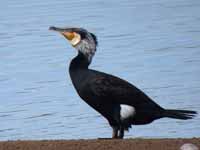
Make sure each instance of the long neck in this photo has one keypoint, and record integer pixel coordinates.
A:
(76, 69)
(79, 62)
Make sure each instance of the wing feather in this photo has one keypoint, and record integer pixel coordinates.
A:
(108, 88)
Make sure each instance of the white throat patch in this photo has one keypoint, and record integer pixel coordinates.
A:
(126, 111)
(75, 40)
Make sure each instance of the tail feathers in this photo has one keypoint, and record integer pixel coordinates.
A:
(180, 114)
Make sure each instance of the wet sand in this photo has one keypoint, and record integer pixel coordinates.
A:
(127, 144)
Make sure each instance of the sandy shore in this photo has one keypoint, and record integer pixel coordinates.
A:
(127, 144)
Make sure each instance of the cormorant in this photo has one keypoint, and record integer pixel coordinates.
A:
(120, 102)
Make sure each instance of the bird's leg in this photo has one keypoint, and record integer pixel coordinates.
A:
(121, 133)
(115, 132)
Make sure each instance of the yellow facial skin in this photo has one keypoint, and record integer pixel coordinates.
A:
(73, 37)
(68, 35)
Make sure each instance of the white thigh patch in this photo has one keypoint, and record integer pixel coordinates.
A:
(126, 111)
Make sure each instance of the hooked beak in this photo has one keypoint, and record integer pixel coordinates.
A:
(69, 33)
(66, 32)
(57, 29)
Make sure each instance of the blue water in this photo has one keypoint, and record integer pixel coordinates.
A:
(153, 44)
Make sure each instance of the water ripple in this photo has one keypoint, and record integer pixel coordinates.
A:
(153, 44)
(45, 115)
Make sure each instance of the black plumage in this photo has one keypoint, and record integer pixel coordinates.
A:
(120, 102)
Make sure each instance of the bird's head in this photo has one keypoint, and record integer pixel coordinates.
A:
(82, 40)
